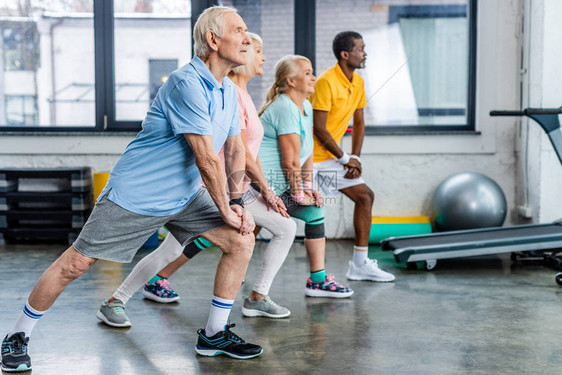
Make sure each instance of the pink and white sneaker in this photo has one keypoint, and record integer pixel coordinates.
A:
(160, 291)
(327, 288)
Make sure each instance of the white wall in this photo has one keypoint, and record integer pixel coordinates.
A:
(402, 170)
(540, 174)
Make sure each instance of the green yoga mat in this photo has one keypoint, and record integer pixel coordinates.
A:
(396, 226)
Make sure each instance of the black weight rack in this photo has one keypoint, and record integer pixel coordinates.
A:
(44, 205)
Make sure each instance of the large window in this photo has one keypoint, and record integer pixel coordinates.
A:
(85, 65)
(48, 64)
(96, 65)
(420, 60)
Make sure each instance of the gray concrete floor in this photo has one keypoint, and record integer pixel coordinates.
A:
(473, 316)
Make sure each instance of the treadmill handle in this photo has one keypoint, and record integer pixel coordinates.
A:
(507, 113)
(528, 111)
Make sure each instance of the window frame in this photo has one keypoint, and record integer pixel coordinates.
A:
(104, 79)
(305, 44)
(443, 11)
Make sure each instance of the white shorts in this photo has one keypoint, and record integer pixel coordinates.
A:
(329, 176)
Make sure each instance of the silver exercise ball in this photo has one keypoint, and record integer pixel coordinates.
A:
(468, 200)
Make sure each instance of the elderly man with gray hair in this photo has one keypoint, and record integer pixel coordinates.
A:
(157, 181)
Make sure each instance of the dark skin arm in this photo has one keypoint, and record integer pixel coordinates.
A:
(357, 143)
(323, 135)
(320, 119)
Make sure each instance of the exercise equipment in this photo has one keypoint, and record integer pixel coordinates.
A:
(393, 226)
(38, 205)
(468, 200)
(536, 238)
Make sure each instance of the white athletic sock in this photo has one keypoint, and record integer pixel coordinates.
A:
(27, 320)
(218, 317)
(360, 254)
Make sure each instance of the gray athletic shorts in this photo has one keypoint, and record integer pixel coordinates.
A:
(114, 233)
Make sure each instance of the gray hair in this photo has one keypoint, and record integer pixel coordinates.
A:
(210, 19)
(248, 68)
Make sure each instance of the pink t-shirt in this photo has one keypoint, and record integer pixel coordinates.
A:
(250, 121)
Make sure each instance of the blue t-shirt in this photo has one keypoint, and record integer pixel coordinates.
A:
(157, 175)
(283, 117)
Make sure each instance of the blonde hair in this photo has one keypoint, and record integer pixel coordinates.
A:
(248, 68)
(210, 19)
(285, 68)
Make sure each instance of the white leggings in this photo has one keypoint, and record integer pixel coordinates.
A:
(283, 230)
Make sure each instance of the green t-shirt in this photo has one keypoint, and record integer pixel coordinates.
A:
(283, 117)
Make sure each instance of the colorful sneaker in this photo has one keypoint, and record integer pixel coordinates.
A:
(327, 288)
(368, 271)
(226, 342)
(113, 314)
(264, 307)
(14, 353)
(160, 291)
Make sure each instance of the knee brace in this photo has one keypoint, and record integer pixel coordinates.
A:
(314, 231)
(195, 247)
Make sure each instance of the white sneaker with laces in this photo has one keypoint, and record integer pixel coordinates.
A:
(368, 271)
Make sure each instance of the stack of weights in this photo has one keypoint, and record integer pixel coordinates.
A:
(44, 205)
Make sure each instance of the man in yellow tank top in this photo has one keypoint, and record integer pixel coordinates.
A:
(340, 95)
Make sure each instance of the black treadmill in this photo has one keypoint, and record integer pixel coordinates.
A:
(475, 242)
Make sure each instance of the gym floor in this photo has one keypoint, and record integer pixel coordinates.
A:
(472, 316)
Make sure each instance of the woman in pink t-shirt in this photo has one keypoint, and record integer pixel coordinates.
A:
(266, 208)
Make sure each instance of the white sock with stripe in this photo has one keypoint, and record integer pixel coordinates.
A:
(218, 317)
(27, 320)
(360, 254)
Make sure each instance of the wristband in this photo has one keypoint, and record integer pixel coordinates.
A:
(355, 157)
(307, 185)
(238, 201)
(344, 159)
(298, 197)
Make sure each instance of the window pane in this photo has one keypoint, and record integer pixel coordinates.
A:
(21, 110)
(439, 74)
(47, 63)
(152, 39)
(274, 22)
(417, 58)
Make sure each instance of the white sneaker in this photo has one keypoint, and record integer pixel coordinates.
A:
(368, 271)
